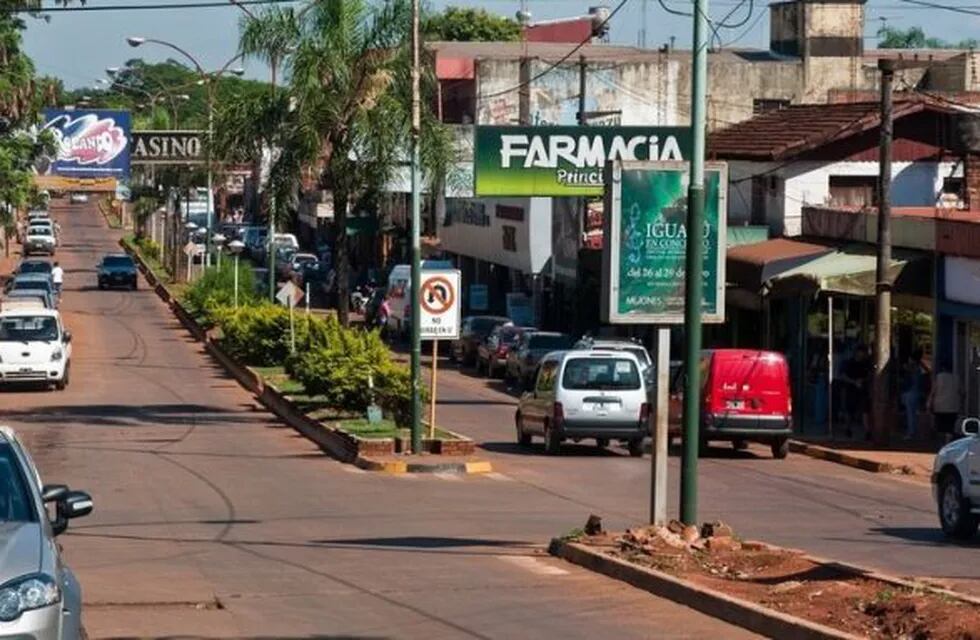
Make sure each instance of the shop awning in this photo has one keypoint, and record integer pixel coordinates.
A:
(750, 266)
(846, 271)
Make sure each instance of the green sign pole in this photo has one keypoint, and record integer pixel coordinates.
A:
(695, 253)
(416, 241)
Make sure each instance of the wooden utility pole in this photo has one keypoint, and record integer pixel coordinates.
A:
(582, 69)
(883, 290)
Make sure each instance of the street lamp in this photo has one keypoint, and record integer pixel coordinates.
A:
(191, 228)
(236, 247)
(218, 239)
(208, 79)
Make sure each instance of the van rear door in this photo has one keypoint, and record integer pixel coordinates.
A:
(602, 389)
(748, 383)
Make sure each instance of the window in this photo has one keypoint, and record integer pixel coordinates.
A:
(953, 185)
(15, 501)
(762, 105)
(600, 374)
(546, 375)
(854, 191)
(547, 342)
(510, 238)
(458, 100)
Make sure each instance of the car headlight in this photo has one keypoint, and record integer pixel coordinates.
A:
(27, 593)
(57, 355)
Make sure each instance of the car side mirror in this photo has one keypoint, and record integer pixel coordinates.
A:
(970, 427)
(68, 505)
(66, 337)
(77, 504)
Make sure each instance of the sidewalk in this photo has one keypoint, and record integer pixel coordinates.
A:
(910, 459)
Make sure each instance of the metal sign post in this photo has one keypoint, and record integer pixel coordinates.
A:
(290, 295)
(439, 304)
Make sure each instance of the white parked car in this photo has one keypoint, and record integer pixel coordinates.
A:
(34, 347)
(78, 198)
(956, 482)
(40, 239)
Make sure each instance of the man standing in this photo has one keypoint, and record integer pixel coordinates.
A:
(57, 278)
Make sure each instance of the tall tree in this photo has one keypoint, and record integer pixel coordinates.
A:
(344, 116)
(469, 24)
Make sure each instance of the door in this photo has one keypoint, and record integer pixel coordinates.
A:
(540, 405)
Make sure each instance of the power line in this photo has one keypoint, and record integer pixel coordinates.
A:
(207, 4)
(561, 60)
(946, 7)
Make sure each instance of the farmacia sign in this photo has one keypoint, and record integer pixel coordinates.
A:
(565, 161)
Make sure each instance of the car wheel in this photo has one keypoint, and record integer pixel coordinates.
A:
(635, 447)
(101, 287)
(954, 510)
(523, 438)
(552, 441)
(60, 385)
(780, 448)
(739, 444)
(602, 443)
(135, 285)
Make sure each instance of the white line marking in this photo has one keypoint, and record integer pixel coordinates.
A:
(453, 477)
(493, 475)
(349, 468)
(534, 565)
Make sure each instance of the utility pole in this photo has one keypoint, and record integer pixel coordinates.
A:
(643, 25)
(582, 69)
(694, 284)
(416, 240)
(883, 290)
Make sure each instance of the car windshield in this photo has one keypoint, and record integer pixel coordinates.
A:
(118, 262)
(600, 374)
(15, 500)
(28, 329)
(35, 267)
(33, 285)
(549, 342)
(509, 335)
(39, 231)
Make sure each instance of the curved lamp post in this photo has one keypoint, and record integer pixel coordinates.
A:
(209, 78)
(236, 247)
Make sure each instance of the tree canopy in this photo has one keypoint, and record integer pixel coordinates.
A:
(468, 24)
(916, 38)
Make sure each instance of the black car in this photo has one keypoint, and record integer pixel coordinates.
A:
(472, 332)
(117, 271)
(523, 357)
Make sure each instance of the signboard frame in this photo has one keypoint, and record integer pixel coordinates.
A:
(549, 148)
(612, 257)
(427, 317)
(84, 136)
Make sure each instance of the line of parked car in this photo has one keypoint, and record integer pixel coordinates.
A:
(604, 388)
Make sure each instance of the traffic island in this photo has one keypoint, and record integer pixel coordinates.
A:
(776, 592)
(915, 465)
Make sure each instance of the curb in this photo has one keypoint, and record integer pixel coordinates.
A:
(741, 613)
(839, 457)
(329, 442)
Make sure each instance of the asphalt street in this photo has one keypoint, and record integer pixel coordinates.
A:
(214, 520)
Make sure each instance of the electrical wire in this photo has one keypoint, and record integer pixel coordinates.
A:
(560, 61)
(945, 7)
(206, 4)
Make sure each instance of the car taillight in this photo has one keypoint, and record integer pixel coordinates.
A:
(502, 350)
(644, 412)
(558, 414)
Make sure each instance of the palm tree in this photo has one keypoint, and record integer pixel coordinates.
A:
(345, 118)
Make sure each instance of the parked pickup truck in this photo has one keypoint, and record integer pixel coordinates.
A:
(956, 482)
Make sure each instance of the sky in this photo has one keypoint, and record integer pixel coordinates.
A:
(78, 46)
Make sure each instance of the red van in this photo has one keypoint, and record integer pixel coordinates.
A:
(745, 397)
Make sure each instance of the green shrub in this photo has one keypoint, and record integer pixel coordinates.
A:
(216, 289)
(255, 335)
(148, 248)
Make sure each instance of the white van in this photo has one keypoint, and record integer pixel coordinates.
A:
(398, 288)
(34, 347)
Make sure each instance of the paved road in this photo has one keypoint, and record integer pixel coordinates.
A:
(213, 520)
(881, 521)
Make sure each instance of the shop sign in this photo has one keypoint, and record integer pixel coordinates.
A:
(644, 269)
(962, 280)
(565, 161)
(90, 144)
(167, 147)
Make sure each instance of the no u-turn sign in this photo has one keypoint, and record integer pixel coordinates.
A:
(439, 302)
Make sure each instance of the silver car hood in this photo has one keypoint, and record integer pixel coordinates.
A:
(21, 549)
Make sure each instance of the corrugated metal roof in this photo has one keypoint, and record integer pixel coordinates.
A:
(784, 133)
(750, 265)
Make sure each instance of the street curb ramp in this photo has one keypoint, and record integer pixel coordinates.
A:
(331, 443)
(741, 613)
(839, 457)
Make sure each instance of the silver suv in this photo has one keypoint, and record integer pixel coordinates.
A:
(40, 598)
(586, 394)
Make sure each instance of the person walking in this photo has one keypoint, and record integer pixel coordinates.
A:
(945, 401)
(856, 374)
(913, 390)
(57, 278)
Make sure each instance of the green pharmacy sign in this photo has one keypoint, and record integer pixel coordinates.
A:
(644, 271)
(565, 161)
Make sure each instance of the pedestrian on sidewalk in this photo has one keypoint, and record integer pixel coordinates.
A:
(945, 401)
(57, 278)
(913, 390)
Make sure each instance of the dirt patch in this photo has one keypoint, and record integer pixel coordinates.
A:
(789, 582)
